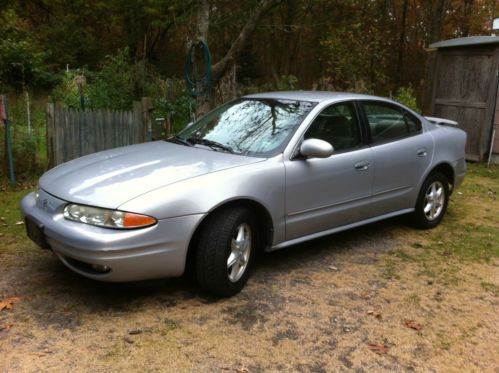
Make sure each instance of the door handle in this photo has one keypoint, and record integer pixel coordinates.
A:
(422, 152)
(362, 166)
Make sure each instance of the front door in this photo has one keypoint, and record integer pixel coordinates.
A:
(323, 193)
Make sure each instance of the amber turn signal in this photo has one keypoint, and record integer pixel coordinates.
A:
(135, 220)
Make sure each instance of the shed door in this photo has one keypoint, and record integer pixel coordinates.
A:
(464, 90)
(495, 145)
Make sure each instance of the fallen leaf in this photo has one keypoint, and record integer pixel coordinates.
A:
(8, 303)
(20, 222)
(242, 370)
(375, 313)
(6, 327)
(333, 268)
(365, 295)
(411, 324)
(377, 348)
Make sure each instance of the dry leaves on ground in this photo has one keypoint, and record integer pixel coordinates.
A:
(377, 348)
(6, 327)
(8, 303)
(375, 313)
(411, 324)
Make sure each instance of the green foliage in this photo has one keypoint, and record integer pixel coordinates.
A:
(284, 83)
(354, 51)
(287, 83)
(171, 99)
(113, 86)
(28, 147)
(66, 93)
(406, 96)
(119, 82)
(22, 60)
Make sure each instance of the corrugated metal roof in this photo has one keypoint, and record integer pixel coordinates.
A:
(464, 42)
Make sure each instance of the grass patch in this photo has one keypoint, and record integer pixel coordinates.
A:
(389, 269)
(468, 233)
(491, 288)
(443, 341)
(413, 299)
(10, 213)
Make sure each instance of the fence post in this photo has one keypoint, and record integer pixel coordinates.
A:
(147, 108)
(50, 128)
(8, 140)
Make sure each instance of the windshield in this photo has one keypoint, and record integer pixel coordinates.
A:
(254, 127)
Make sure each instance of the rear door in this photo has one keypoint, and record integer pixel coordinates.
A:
(323, 193)
(401, 152)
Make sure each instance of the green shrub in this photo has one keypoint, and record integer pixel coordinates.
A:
(28, 148)
(405, 95)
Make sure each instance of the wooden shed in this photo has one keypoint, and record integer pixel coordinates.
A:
(464, 81)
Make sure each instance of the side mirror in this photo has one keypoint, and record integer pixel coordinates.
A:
(315, 148)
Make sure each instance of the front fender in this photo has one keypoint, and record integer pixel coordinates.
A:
(262, 182)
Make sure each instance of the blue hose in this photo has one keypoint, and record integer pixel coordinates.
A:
(203, 81)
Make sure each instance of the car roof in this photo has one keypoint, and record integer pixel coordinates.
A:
(314, 96)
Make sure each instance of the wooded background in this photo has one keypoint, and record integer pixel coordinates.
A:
(372, 45)
(107, 54)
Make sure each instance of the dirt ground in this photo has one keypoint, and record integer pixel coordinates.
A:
(384, 297)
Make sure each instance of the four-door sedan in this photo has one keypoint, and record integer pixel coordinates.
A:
(264, 171)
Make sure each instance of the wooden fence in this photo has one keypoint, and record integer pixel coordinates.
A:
(73, 133)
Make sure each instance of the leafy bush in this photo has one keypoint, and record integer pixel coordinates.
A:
(112, 87)
(22, 60)
(28, 148)
(171, 99)
(119, 82)
(406, 96)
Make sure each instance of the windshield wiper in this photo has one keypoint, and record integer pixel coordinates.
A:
(212, 144)
(180, 140)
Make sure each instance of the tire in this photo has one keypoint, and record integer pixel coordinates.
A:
(226, 235)
(431, 206)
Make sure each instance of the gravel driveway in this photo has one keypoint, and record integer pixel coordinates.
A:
(364, 300)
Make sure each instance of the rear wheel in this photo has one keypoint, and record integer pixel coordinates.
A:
(225, 251)
(432, 201)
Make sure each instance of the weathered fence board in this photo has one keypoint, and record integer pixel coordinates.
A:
(73, 133)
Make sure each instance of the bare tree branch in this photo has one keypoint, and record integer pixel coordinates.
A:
(237, 46)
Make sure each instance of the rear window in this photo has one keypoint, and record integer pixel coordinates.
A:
(388, 122)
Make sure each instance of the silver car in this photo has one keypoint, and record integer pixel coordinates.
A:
(261, 172)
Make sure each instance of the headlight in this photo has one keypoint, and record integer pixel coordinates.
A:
(107, 218)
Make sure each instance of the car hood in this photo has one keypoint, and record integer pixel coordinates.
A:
(112, 177)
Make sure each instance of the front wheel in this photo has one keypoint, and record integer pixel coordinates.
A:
(432, 201)
(225, 251)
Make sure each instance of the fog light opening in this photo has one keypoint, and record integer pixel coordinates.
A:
(100, 268)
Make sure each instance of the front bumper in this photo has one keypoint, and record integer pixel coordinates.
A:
(132, 255)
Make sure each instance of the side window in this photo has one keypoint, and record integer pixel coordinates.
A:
(338, 125)
(388, 122)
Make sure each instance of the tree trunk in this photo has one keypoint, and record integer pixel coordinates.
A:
(468, 6)
(400, 59)
(224, 68)
(203, 103)
(436, 17)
